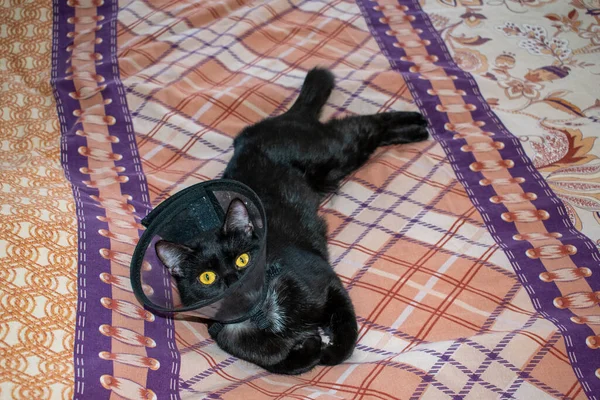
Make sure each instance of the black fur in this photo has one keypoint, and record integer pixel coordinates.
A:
(292, 161)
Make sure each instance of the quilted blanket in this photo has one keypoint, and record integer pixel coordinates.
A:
(472, 258)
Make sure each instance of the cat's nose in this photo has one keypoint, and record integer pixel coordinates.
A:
(230, 279)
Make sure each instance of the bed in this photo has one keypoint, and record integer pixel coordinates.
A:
(472, 258)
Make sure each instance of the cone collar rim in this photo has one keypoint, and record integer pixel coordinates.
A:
(161, 214)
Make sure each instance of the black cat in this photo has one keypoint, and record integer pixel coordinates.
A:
(291, 161)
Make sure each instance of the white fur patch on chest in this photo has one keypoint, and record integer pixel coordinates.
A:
(232, 331)
(272, 309)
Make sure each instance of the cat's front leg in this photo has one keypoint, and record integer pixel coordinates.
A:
(340, 325)
(281, 354)
(302, 358)
(255, 345)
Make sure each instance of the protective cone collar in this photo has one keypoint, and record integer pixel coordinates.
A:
(181, 219)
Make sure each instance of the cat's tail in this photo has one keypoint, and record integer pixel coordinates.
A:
(341, 328)
(316, 89)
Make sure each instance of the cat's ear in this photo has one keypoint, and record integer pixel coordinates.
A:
(172, 255)
(237, 219)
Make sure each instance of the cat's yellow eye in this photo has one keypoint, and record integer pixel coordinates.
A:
(207, 278)
(242, 260)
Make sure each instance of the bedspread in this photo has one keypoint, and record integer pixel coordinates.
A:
(472, 258)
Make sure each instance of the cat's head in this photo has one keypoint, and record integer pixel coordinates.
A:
(216, 260)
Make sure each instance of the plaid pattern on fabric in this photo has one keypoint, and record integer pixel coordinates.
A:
(442, 314)
(505, 186)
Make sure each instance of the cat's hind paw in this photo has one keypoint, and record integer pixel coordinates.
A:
(399, 118)
(402, 127)
(405, 134)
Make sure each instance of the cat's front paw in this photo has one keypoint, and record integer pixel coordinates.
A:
(330, 355)
(310, 346)
(303, 357)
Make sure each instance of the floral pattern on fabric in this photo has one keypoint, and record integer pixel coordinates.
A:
(537, 63)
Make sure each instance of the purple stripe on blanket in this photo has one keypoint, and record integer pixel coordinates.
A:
(583, 360)
(91, 313)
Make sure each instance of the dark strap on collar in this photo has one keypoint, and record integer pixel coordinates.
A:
(259, 317)
(214, 329)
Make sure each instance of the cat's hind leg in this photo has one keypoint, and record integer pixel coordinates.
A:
(402, 127)
(352, 140)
